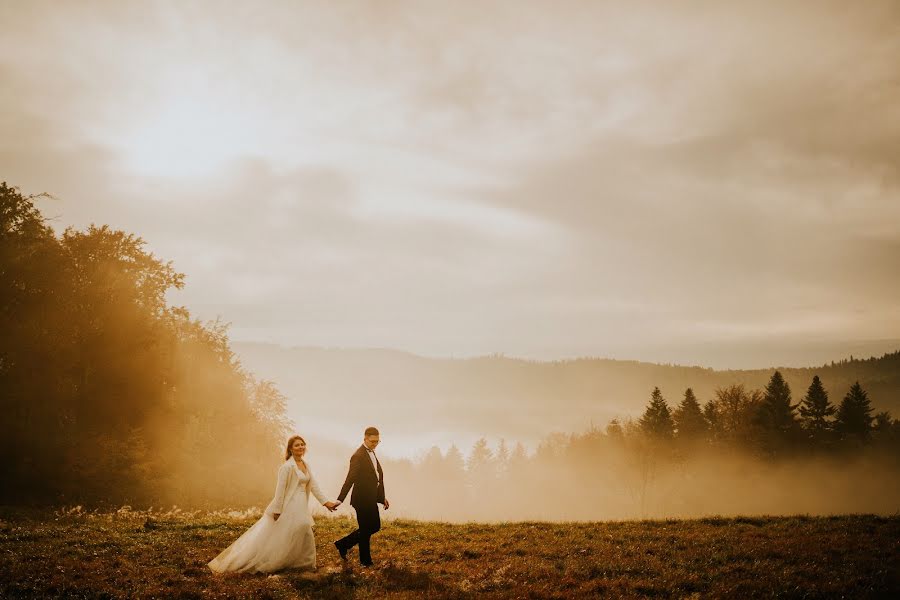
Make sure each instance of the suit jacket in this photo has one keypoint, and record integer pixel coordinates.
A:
(288, 474)
(368, 488)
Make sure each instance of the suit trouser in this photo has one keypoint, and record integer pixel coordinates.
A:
(369, 522)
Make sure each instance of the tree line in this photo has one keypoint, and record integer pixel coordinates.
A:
(742, 451)
(109, 394)
(768, 422)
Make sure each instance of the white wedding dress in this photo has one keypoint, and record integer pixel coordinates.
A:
(287, 543)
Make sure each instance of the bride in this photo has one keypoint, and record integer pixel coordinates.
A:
(283, 536)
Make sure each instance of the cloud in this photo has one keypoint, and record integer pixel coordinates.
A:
(465, 179)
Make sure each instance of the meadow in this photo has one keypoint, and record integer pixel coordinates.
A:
(162, 554)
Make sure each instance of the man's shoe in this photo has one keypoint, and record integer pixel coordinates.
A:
(367, 564)
(341, 551)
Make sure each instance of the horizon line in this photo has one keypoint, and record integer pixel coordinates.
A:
(512, 357)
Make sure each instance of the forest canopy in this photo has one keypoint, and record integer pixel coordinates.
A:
(110, 394)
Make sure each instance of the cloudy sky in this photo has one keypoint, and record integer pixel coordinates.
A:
(710, 183)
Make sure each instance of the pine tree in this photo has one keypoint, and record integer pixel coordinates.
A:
(432, 461)
(502, 458)
(519, 455)
(657, 419)
(854, 415)
(815, 408)
(454, 465)
(518, 460)
(688, 418)
(775, 415)
(481, 458)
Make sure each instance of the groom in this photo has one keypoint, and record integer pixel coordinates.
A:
(367, 480)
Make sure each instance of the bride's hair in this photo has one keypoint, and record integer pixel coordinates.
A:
(293, 438)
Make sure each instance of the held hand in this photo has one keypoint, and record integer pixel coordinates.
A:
(331, 506)
(387, 504)
(276, 515)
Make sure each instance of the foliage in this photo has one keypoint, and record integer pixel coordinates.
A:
(731, 413)
(110, 394)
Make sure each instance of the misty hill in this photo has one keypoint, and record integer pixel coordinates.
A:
(519, 399)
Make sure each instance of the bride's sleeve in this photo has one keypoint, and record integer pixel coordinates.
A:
(277, 503)
(316, 490)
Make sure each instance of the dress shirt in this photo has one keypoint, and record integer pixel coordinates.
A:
(374, 463)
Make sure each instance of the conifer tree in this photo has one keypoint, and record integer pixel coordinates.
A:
(481, 458)
(503, 458)
(688, 418)
(854, 415)
(519, 455)
(454, 464)
(775, 416)
(518, 460)
(657, 419)
(815, 408)
(433, 460)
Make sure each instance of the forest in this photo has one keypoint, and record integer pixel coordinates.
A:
(111, 396)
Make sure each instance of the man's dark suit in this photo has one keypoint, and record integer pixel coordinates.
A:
(368, 492)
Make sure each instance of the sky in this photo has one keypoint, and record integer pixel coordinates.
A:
(712, 183)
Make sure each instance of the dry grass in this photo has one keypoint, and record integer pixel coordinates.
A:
(46, 554)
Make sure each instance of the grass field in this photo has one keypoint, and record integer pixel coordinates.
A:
(45, 554)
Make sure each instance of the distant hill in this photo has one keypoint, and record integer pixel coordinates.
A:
(518, 399)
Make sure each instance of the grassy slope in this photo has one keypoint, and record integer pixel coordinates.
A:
(114, 555)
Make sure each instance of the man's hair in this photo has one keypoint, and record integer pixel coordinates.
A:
(371, 431)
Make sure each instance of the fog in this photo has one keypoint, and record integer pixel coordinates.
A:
(600, 479)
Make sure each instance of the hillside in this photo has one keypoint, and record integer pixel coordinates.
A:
(520, 399)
